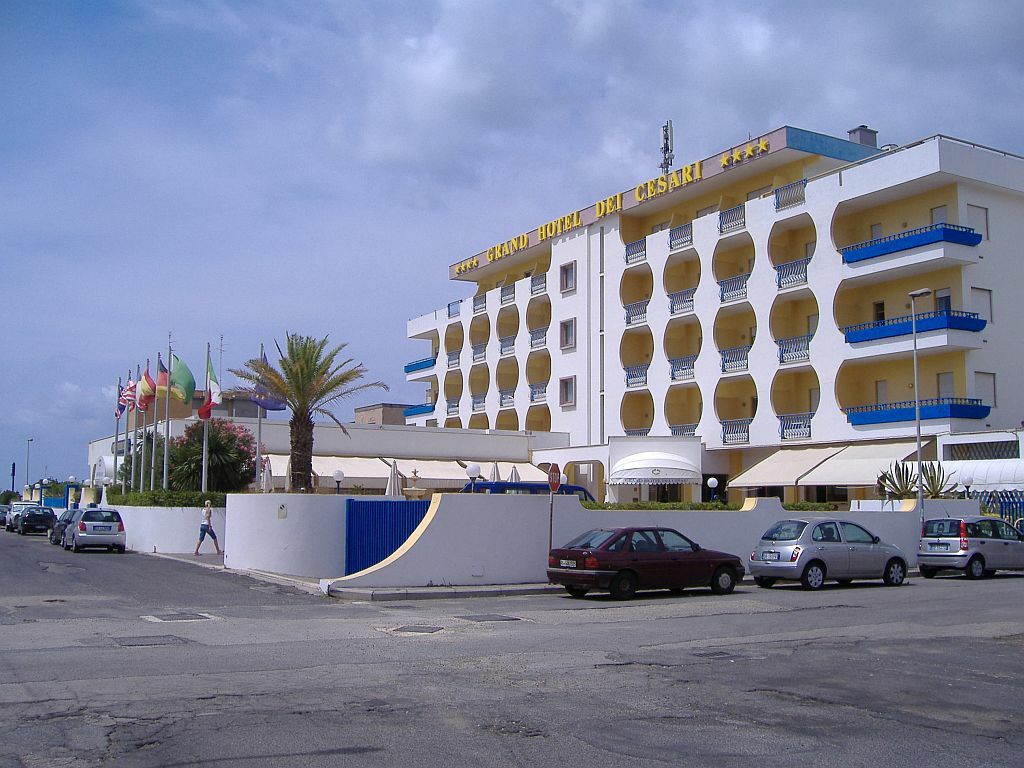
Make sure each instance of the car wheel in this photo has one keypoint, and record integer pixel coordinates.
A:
(624, 585)
(724, 581)
(573, 591)
(764, 582)
(927, 571)
(813, 576)
(120, 551)
(895, 573)
(975, 568)
(74, 545)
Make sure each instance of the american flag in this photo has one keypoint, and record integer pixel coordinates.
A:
(126, 398)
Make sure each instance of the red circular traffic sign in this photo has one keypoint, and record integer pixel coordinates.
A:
(554, 478)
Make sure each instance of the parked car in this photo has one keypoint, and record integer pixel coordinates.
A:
(57, 531)
(4, 509)
(11, 522)
(976, 545)
(625, 560)
(502, 486)
(815, 550)
(35, 520)
(94, 527)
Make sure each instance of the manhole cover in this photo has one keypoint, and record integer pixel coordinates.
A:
(150, 640)
(418, 629)
(178, 617)
(489, 617)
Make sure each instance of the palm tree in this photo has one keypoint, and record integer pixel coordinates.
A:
(310, 381)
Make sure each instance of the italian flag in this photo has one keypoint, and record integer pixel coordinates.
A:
(212, 390)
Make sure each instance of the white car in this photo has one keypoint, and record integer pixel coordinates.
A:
(11, 524)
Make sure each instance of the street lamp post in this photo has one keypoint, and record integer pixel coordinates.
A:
(28, 454)
(713, 484)
(473, 472)
(914, 296)
(338, 477)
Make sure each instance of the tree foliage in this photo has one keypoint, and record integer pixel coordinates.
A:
(231, 457)
(899, 481)
(936, 482)
(311, 380)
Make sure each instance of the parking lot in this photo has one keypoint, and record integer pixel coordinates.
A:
(110, 659)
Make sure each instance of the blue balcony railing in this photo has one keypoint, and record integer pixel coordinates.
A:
(683, 430)
(791, 273)
(732, 219)
(904, 325)
(454, 307)
(681, 236)
(508, 293)
(636, 312)
(479, 402)
(420, 365)
(452, 407)
(933, 408)
(733, 288)
(912, 238)
(789, 195)
(636, 375)
(644, 432)
(795, 426)
(506, 398)
(538, 284)
(507, 345)
(539, 392)
(479, 352)
(735, 359)
(736, 431)
(453, 358)
(479, 303)
(636, 251)
(681, 301)
(682, 367)
(418, 410)
(796, 349)
(538, 337)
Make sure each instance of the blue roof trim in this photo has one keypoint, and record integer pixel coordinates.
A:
(828, 146)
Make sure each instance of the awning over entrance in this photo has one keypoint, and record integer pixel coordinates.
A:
(987, 474)
(784, 467)
(859, 464)
(654, 468)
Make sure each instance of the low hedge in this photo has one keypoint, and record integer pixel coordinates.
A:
(801, 506)
(167, 498)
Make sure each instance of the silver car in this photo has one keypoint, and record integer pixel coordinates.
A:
(14, 515)
(94, 527)
(977, 545)
(815, 550)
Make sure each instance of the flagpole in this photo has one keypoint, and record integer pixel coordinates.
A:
(145, 435)
(167, 413)
(156, 413)
(259, 439)
(206, 423)
(135, 429)
(124, 476)
(117, 426)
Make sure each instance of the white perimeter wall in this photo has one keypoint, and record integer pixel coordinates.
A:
(170, 530)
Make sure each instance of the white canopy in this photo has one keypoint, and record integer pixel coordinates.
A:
(859, 464)
(278, 464)
(784, 467)
(367, 472)
(987, 474)
(431, 473)
(654, 468)
(528, 473)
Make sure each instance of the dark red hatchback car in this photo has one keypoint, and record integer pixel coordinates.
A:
(624, 560)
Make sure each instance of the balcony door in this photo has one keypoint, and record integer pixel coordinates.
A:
(945, 385)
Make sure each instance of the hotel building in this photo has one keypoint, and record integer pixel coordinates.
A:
(749, 317)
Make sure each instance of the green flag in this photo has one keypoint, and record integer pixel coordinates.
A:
(183, 383)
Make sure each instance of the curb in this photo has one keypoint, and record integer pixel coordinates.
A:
(383, 594)
(271, 578)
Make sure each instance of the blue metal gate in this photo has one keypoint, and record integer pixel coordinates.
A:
(1009, 504)
(376, 528)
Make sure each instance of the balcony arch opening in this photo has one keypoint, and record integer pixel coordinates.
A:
(453, 385)
(683, 338)
(507, 419)
(479, 330)
(795, 395)
(507, 375)
(637, 413)
(637, 285)
(793, 321)
(479, 421)
(681, 277)
(735, 332)
(453, 337)
(683, 409)
(538, 419)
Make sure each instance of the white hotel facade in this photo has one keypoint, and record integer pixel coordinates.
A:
(748, 317)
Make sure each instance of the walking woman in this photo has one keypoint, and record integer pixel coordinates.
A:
(206, 528)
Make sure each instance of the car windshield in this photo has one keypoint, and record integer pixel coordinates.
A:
(784, 530)
(945, 527)
(590, 539)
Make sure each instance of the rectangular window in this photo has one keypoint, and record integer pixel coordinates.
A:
(977, 219)
(944, 382)
(567, 277)
(756, 193)
(567, 391)
(876, 231)
(809, 249)
(567, 334)
(939, 215)
(881, 391)
(706, 211)
(659, 227)
(878, 311)
(981, 302)
(985, 387)
(943, 300)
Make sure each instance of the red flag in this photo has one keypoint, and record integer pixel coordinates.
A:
(145, 392)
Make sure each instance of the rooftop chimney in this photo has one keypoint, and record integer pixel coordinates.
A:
(863, 135)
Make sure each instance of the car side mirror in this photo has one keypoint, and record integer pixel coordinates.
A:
(695, 546)
(875, 539)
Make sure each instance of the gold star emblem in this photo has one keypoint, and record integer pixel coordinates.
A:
(737, 155)
(725, 160)
(762, 145)
(749, 151)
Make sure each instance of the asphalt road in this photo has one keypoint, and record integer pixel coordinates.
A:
(243, 673)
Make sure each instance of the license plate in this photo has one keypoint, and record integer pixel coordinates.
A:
(568, 563)
(943, 547)
(769, 555)
(101, 528)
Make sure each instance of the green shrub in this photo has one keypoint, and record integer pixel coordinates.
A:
(163, 498)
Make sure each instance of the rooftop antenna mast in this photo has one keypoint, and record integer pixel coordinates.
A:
(667, 148)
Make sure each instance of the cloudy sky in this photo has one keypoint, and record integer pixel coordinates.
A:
(243, 169)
